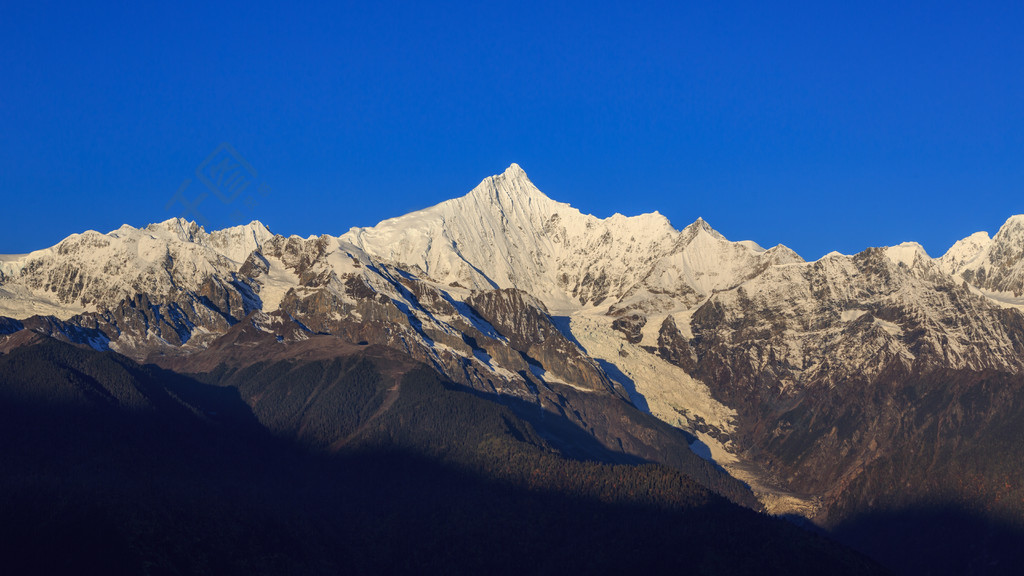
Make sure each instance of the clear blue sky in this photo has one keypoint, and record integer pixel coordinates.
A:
(819, 127)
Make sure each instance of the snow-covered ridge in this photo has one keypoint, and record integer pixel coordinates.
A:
(91, 271)
(235, 243)
(507, 233)
(504, 233)
(907, 253)
(992, 264)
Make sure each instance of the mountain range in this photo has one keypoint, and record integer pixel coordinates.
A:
(876, 397)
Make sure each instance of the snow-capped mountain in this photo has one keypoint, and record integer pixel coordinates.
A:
(994, 265)
(791, 374)
(506, 233)
(91, 271)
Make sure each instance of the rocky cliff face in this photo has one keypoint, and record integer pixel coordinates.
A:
(836, 364)
(524, 322)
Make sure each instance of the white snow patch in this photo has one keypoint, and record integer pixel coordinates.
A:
(1001, 299)
(906, 253)
(852, 314)
(550, 378)
(275, 284)
(669, 392)
(893, 329)
(752, 246)
(19, 303)
(834, 254)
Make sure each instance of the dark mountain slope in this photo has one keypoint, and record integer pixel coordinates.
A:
(326, 392)
(945, 497)
(120, 468)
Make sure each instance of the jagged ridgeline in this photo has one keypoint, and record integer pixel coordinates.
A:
(859, 392)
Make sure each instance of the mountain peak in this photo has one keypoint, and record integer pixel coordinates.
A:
(701, 223)
(1013, 227)
(699, 226)
(508, 189)
(514, 173)
(514, 170)
(966, 253)
(184, 230)
(906, 253)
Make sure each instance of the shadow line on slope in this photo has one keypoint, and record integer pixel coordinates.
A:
(563, 324)
(617, 375)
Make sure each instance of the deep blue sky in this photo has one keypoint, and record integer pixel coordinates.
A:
(819, 127)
